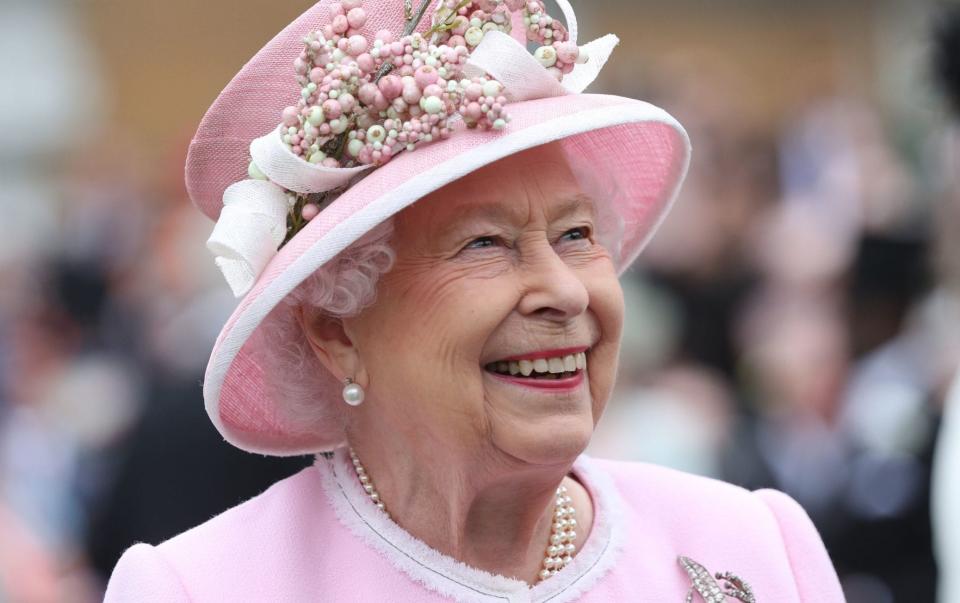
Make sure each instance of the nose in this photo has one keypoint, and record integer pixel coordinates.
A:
(552, 289)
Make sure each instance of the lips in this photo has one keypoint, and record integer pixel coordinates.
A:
(539, 366)
(564, 383)
(549, 369)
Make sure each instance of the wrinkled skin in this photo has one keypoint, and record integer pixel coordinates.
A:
(501, 263)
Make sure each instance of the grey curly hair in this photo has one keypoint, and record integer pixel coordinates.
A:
(342, 287)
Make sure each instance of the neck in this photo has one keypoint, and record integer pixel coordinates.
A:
(493, 513)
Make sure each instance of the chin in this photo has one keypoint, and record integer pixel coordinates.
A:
(549, 441)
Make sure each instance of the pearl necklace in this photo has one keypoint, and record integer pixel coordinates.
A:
(563, 533)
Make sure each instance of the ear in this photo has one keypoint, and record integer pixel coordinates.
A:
(332, 346)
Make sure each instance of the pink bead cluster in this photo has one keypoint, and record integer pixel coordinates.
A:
(464, 22)
(558, 54)
(351, 113)
(364, 101)
(541, 27)
(468, 20)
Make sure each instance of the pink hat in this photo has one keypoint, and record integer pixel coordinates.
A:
(640, 149)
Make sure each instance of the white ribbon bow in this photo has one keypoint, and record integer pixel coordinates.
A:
(253, 221)
(252, 224)
(522, 75)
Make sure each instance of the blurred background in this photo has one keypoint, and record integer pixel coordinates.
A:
(795, 324)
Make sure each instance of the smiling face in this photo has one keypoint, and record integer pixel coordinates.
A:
(497, 273)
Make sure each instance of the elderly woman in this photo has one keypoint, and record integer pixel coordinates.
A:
(441, 326)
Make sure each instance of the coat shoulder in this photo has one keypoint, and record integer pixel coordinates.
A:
(709, 497)
(142, 574)
(247, 538)
(718, 522)
(276, 510)
(630, 476)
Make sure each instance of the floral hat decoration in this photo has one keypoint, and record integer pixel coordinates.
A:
(356, 110)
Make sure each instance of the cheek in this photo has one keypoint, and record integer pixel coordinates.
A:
(607, 306)
(429, 327)
(607, 300)
(453, 311)
(599, 276)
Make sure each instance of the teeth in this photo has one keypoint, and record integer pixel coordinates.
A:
(526, 368)
(550, 368)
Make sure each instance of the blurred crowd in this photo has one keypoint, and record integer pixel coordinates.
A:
(795, 324)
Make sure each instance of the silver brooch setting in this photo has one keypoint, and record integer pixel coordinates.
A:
(714, 588)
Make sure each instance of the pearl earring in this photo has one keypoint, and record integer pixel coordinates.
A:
(352, 393)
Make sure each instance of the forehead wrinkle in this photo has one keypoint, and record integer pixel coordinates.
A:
(513, 212)
(508, 211)
(466, 212)
(573, 205)
(481, 196)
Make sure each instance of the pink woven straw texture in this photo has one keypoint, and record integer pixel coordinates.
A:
(641, 161)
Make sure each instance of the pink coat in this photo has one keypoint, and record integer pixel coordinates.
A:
(316, 536)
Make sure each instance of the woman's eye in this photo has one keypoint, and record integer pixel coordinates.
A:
(576, 234)
(481, 242)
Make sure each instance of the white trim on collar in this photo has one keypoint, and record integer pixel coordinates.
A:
(449, 577)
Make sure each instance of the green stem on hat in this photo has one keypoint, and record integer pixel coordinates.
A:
(342, 142)
(448, 22)
(412, 22)
(295, 221)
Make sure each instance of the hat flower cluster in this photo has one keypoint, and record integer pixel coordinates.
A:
(389, 94)
(363, 100)
(366, 99)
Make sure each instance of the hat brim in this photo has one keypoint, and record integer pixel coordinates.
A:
(638, 149)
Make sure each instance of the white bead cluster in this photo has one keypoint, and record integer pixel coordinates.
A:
(563, 533)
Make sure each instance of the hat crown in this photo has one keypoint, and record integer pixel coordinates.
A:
(252, 102)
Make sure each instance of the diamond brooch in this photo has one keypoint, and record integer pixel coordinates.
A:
(710, 589)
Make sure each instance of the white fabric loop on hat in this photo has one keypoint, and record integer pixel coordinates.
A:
(252, 224)
(290, 171)
(509, 62)
(583, 74)
(570, 17)
(522, 75)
